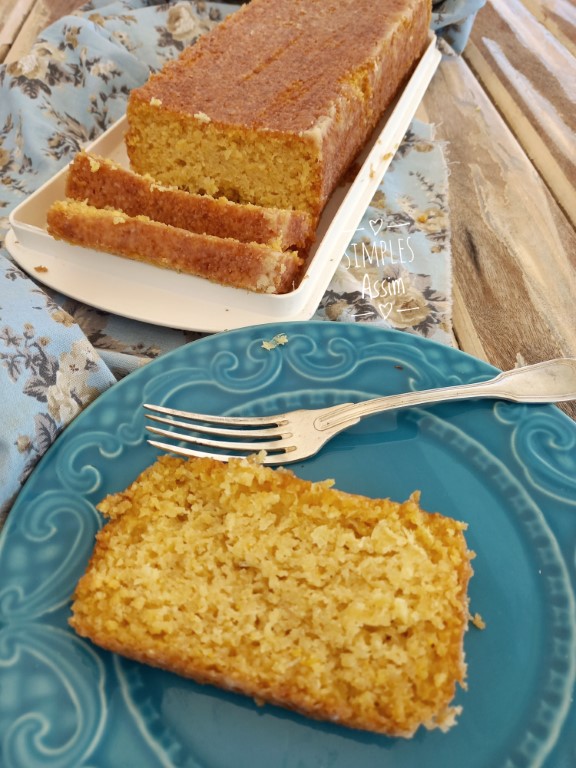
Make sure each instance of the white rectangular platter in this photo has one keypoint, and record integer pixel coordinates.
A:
(162, 297)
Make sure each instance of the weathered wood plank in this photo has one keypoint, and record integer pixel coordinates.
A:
(514, 251)
(559, 17)
(531, 78)
(22, 21)
(12, 17)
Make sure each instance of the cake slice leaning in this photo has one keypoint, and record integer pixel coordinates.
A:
(334, 605)
(105, 184)
(226, 261)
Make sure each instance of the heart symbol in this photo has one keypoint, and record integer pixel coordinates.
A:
(376, 225)
(385, 309)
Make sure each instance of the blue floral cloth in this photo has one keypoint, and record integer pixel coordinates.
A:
(57, 355)
(396, 271)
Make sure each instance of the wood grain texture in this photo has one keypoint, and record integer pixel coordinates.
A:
(12, 17)
(514, 250)
(531, 78)
(21, 21)
(559, 18)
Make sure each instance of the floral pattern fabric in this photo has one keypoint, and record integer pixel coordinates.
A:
(56, 355)
(453, 19)
(396, 271)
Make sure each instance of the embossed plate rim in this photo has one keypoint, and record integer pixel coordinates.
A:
(307, 342)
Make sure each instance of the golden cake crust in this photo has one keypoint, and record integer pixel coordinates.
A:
(226, 261)
(102, 183)
(280, 65)
(337, 606)
(276, 123)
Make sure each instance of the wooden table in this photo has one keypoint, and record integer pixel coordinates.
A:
(507, 110)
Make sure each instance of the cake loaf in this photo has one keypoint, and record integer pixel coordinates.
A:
(103, 183)
(272, 105)
(336, 606)
(226, 261)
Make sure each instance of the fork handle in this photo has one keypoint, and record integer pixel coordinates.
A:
(552, 381)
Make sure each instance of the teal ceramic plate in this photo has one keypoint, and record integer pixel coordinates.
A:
(508, 470)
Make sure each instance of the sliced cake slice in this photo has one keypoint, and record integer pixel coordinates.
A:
(335, 605)
(224, 260)
(105, 184)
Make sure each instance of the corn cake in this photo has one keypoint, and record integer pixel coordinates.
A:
(224, 260)
(336, 606)
(103, 183)
(272, 105)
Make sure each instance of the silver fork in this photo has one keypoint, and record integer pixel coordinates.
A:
(296, 435)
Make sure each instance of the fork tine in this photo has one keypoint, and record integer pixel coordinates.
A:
(206, 430)
(239, 421)
(277, 458)
(274, 445)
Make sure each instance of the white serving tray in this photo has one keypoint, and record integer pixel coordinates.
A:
(162, 297)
